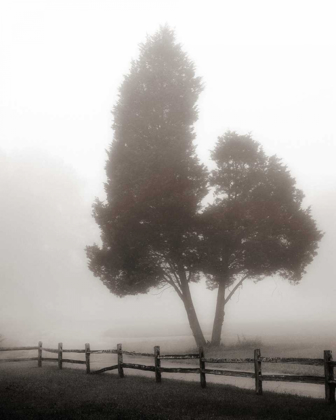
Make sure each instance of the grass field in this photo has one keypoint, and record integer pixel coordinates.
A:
(27, 392)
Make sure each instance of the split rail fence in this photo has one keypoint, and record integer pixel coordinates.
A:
(328, 380)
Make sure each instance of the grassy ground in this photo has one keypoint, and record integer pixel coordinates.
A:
(27, 392)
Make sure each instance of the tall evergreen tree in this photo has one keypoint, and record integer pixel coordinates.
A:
(155, 183)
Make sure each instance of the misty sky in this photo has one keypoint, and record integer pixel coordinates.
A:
(268, 68)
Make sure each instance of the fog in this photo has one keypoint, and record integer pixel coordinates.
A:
(268, 68)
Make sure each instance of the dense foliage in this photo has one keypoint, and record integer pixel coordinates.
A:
(155, 182)
(257, 226)
(154, 229)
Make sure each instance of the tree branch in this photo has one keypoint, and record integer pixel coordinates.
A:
(178, 281)
(167, 286)
(189, 276)
(170, 281)
(234, 289)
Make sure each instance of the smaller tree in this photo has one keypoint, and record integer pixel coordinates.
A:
(256, 227)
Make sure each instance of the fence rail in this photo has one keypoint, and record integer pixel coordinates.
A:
(307, 379)
(18, 348)
(207, 360)
(105, 369)
(328, 380)
(293, 360)
(21, 359)
(179, 356)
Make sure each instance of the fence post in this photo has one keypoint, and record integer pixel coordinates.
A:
(87, 357)
(329, 376)
(157, 363)
(39, 354)
(257, 372)
(60, 355)
(202, 367)
(120, 361)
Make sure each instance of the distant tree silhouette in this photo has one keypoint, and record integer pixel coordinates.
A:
(42, 200)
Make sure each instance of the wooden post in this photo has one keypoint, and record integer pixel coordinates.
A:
(39, 354)
(120, 361)
(257, 372)
(202, 367)
(157, 363)
(87, 357)
(329, 376)
(60, 355)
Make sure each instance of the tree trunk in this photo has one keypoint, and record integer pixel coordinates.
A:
(219, 315)
(191, 312)
(193, 320)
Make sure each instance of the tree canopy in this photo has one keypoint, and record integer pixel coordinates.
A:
(155, 183)
(256, 226)
(154, 230)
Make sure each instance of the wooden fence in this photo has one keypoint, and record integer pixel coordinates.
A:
(327, 380)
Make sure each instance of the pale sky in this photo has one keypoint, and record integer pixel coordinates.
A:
(268, 68)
